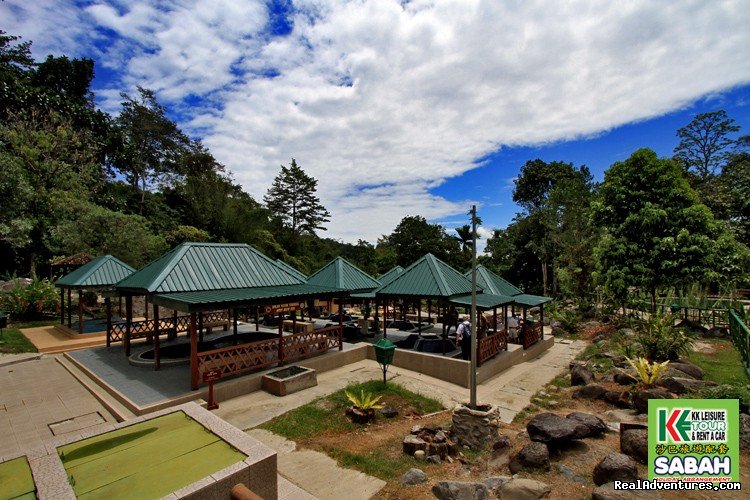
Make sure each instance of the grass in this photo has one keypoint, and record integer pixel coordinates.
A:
(375, 463)
(15, 342)
(723, 366)
(326, 415)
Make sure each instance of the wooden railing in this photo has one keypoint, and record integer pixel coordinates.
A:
(233, 360)
(491, 345)
(740, 338)
(236, 359)
(532, 334)
(144, 328)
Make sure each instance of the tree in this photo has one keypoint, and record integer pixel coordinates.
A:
(415, 237)
(151, 145)
(656, 233)
(42, 160)
(705, 142)
(292, 199)
(464, 237)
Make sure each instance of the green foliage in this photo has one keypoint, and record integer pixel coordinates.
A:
(661, 341)
(648, 372)
(30, 301)
(721, 362)
(705, 142)
(292, 199)
(570, 321)
(182, 234)
(725, 391)
(415, 237)
(364, 400)
(15, 342)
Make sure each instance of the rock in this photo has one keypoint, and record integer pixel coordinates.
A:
(474, 428)
(413, 476)
(533, 456)
(594, 424)
(420, 454)
(434, 459)
(570, 474)
(440, 437)
(412, 444)
(590, 324)
(624, 378)
(624, 416)
(719, 332)
(455, 490)
(494, 483)
(634, 443)
(626, 332)
(557, 328)
(389, 412)
(554, 429)
(502, 443)
(591, 391)
(744, 431)
(691, 326)
(694, 371)
(621, 399)
(416, 429)
(681, 385)
(640, 398)
(615, 467)
(581, 375)
(608, 492)
(524, 489)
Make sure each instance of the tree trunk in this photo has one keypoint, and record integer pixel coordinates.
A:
(32, 265)
(544, 277)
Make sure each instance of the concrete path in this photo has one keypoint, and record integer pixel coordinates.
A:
(317, 473)
(39, 400)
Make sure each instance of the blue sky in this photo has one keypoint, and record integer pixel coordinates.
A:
(409, 107)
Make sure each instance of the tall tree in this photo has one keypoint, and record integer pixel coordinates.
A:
(464, 237)
(152, 146)
(292, 199)
(656, 233)
(414, 237)
(706, 142)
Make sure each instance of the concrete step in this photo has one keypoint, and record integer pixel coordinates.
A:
(116, 408)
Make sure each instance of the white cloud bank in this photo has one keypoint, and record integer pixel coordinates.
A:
(382, 101)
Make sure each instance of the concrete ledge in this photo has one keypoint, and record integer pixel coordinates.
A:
(538, 348)
(500, 363)
(455, 371)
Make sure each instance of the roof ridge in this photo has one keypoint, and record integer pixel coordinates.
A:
(92, 267)
(442, 283)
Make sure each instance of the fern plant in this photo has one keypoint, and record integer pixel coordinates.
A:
(648, 372)
(365, 400)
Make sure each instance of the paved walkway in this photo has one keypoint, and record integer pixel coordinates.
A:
(40, 400)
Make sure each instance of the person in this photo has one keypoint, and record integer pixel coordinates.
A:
(463, 338)
(513, 325)
(452, 320)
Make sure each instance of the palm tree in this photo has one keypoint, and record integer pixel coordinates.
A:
(464, 237)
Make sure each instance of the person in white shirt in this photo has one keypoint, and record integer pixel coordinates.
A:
(463, 338)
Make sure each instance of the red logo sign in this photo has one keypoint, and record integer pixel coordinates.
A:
(212, 375)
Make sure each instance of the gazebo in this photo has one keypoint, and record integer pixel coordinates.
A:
(202, 278)
(98, 275)
(342, 274)
(296, 272)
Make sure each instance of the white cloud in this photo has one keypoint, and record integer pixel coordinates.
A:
(382, 102)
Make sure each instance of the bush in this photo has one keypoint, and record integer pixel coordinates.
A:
(569, 320)
(661, 341)
(31, 301)
(725, 392)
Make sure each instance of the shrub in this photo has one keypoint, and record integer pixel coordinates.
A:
(649, 373)
(569, 320)
(30, 301)
(725, 392)
(661, 341)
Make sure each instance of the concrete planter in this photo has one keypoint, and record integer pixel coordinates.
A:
(289, 380)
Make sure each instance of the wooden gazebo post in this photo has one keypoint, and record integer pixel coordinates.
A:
(157, 354)
(128, 321)
(62, 306)
(193, 353)
(341, 324)
(108, 303)
(173, 334)
(257, 318)
(234, 325)
(385, 319)
(200, 325)
(419, 317)
(541, 319)
(281, 339)
(80, 310)
(70, 306)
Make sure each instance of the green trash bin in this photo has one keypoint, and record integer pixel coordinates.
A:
(384, 350)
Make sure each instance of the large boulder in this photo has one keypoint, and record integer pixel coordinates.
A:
(455, 490)
(608, 492)
(533, 456)
(624, 378)
(413, 476)
(681, 385)
(594, 424)
(581, 375)
(524, 489)
(744, 431)
(634, 443)
(555, 430)
(621, 399)
(493, 483)
(591, 391)
(640, 398)
(412, 443)
(690, 369)
(615, 467)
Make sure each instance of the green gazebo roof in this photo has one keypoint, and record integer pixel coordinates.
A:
(484, 300)
(494, 284)
(296, 272)
(101, 272)
(390, 274)
(427, 277)
(342, 274)
(193, 267)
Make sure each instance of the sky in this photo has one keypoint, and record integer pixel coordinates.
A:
(409, 107)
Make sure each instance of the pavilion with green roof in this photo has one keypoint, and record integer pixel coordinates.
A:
(340, 273)
(198, 278)
(292, 269)
(98, 275)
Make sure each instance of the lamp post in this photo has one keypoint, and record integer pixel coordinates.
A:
(474, 325)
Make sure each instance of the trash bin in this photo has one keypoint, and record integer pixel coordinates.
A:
(384, 350)
(675, 307)
(3, 320)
